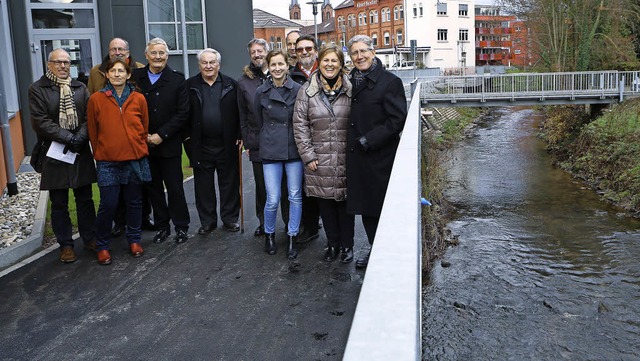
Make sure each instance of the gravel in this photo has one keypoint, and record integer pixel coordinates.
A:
(18, 212)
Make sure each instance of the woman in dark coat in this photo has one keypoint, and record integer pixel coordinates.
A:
(274, 104)
(378, 113)
(320, 121)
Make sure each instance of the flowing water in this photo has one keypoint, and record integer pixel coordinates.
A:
(544, 269)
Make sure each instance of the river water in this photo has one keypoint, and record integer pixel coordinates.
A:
(544, 270)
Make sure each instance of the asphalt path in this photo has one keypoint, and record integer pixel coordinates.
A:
(215, 297)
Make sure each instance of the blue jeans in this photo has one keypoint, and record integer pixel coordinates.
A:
(272, 182)
(109, 196)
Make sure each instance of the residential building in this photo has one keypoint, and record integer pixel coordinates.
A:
(494, 43)
(272, 28)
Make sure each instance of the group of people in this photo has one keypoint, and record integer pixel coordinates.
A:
(321, 139)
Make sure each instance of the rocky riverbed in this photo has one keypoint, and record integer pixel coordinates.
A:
(17, 213)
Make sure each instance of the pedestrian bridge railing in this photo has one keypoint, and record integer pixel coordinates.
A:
(387, 322)
(591, 87)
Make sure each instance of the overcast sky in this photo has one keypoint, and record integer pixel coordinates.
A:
(281, 7)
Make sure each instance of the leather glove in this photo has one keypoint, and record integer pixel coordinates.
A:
(76, 143)
(363, 144)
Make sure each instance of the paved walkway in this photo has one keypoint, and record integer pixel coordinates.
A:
(218, 297)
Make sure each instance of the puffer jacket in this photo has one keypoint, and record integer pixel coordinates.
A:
(320, 131)
(44, 106)
(275, 114)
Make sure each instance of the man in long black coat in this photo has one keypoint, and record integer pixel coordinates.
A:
(166, 93)
(378, 113)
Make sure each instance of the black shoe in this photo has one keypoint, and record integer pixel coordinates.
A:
(161, 236)
(259, 231)
(270, 243)
(148, 225)
(364, 261)
(307, 236)
(117, 230)
(232, 227)
(331, 254)
(292, 252)
(206, 229)
(346, 255)
(181, 236)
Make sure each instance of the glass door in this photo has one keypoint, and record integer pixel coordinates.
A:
(82, 49)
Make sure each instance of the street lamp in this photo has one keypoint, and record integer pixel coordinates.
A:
(315, 12)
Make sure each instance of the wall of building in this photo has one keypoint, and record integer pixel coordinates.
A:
(17, 145)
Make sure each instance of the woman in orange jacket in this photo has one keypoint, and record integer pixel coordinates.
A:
(118, 123)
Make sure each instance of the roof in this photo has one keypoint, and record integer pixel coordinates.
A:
(344, 4)
(327, 26)
(263, 19)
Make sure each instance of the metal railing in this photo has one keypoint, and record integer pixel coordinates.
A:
(387, 321)
(530, 88)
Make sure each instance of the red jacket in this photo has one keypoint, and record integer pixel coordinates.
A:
(118, 134)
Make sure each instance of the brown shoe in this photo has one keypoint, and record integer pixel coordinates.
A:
(104, 258)
(136, 250)
(67, 255)
(91, 245)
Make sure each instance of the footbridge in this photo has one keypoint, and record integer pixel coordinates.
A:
(589, 87)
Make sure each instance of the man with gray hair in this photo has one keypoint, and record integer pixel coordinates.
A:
(168, 102)
(118, 49)
(212, 143)
(253, 75)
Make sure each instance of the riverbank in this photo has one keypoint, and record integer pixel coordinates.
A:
(603, 152)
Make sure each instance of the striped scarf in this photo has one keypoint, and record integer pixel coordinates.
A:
(68, 118)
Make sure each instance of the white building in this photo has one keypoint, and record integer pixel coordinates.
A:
(444, 31)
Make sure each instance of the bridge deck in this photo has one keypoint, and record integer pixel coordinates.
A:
(217, 298)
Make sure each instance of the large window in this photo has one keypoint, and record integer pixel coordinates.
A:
(386, 15)
(399, 39)
(463, 35)
(163, 20)
(463, 10)
(341, 22)
(373, 17)
(362, 19)
(398, 12)
(352, 20)
(442, 34)
(441, 9)
(374, 39)
(387, 39)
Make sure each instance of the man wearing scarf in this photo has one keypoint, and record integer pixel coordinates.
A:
(378, 114)
(57, 105)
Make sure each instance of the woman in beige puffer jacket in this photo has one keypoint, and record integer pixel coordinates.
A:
(320, 121)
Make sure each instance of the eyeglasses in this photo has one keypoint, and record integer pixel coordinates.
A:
(157, 53)
(308, 49)
(205, 63)
(359, 52)
(61, 62)
(118, 50)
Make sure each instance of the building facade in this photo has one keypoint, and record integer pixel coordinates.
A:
(272, 28)
(494, 32)
(85, 27)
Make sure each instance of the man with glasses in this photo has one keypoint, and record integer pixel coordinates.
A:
(119, 49)
(58, 116)
(291, 39)
(307, 54)
(378, 114)
(168, 102)
(213, 143)
(253, 75)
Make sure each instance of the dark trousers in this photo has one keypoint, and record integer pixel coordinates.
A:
(85, 212)
(205, 192)
(167, 172)
(370, 226)
(261, 194)
(120, 218)
(109, 199)
(310, 213)
(338, 225)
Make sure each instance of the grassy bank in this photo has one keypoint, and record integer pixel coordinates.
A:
(604, 152)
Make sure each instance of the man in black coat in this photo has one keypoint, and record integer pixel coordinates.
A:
(166, 93)
(378, 114)
(213, 141)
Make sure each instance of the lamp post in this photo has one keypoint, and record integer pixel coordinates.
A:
(315, 12)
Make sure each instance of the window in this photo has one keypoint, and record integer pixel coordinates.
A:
(517, 51)
(386, 38)
(374, 39)
(420, 8)
(386, 15)
(441, 9)
(463, 10)
(272, 44)
(352, 20)
(362, 19)
(163, 21)
(399, 36)
(398, 12)
(373, 17)
(8, 75)
(340, 22)
(296, 15)
(278, 43)
(463, 35)
(415, 11)
(442, 34)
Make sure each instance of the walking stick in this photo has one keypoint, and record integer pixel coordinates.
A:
(240, 190)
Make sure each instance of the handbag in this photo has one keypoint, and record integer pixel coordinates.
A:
(38, 154)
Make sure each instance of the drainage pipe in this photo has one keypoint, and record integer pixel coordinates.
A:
(12, 185)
